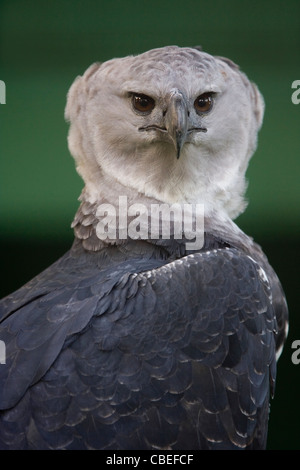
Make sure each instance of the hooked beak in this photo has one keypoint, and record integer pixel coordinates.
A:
(177, 121)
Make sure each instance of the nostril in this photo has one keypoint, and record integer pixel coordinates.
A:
(164, 112)
(188, 113)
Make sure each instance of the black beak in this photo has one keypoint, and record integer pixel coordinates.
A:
(177, 120)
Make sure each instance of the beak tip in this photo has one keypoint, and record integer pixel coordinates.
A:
(180, 139)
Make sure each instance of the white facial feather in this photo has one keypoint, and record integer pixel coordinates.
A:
(111, 152)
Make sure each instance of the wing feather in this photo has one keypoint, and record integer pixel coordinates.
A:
(148, 353)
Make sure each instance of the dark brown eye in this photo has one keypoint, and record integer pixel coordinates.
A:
(203, 103)
(142, 103)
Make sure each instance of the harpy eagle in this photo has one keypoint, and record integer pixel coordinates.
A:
(146, 341)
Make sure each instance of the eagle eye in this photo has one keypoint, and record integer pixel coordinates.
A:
(203, 103)
(143, 104)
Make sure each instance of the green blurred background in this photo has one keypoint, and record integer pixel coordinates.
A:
(45, 44)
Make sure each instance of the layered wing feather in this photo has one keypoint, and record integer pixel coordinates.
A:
(140, 354)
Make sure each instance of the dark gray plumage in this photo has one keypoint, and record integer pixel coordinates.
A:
(143, 345)
(135, 349)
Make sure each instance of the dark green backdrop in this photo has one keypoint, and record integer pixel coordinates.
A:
(45, 44)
